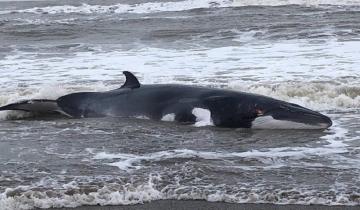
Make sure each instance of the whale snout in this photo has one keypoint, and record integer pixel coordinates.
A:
(292, 116)
(317, 119)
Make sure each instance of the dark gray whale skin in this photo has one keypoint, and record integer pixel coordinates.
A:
(228, 108)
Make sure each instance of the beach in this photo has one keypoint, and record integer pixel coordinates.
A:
(204, 205)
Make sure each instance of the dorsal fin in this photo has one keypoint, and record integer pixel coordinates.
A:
(131, 81)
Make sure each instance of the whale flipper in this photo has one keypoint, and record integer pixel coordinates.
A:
(131, 81)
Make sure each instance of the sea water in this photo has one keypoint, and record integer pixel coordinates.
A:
(302, 51)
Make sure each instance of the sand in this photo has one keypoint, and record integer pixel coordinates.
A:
(204, 205)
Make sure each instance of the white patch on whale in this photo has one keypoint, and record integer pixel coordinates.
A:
(168, 117)
(203, 117)
(143, 117)
(268, 122)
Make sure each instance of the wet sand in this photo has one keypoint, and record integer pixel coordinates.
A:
(204, 205)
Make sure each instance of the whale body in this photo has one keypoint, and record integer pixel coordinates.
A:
(180, 103)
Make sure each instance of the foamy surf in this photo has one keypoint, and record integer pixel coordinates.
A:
(295, 2)
(70, 195)
(282, 70)
(155, 7)
(104, 196)
(270, 157)
(143, 8)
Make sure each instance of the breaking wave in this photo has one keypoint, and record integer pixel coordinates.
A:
(154, 7)
(315, 95)
(114, 194)
(294, 155)
(150, 7)
(53, 192)
(283, 70)
(294, 2)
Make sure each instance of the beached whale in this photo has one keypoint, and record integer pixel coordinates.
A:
(181, 103)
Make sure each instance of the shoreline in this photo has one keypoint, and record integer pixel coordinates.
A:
(205, 205)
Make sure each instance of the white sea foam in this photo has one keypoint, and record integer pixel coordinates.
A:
(283, 70)
(271, 62)
(43, 21)
(268, 157)
(149, 7)
(153, 7)
(57, 195)
(104, 196)
(148, 192)
(315, 95)
(294, 2)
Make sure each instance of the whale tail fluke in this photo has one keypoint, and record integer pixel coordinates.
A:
(36, 106)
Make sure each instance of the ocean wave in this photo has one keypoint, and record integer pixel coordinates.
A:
(154, 7)
(43, 21)
(276, 62)
(294, 2)
(335, 145)
(271, 158)
(72, 194)
(315, 95)
(150, 7)
(324, 80)
(26, 197)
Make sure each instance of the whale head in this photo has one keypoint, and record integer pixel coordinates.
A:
(283, 115)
